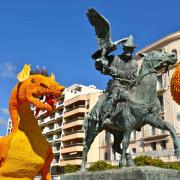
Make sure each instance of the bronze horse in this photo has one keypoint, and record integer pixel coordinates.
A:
(142, 107)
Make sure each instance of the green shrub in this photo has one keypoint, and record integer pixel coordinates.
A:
(149, 161)
(173, 165)
(100, 165)
(70, 168)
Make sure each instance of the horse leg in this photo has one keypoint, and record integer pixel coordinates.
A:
(118, 136)
(116, 148)
(90, 135)
(125, 144)
(161, 124)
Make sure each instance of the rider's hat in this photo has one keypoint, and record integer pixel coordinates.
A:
(129, 42)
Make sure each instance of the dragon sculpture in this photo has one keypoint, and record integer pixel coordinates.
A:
(25, 152)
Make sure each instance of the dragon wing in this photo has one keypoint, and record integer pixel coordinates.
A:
(102, 28)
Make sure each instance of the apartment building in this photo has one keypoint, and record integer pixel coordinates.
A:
(79, 100)
(63, 128)
(152, 141)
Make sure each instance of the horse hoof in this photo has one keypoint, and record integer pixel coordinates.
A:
(122, 163)
(177, 153)
(130, 163)
(83, 169)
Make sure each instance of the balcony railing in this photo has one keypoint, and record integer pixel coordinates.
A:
(75, 107)
(73, 132)
(59, 114)
(157, 153)
(72, 145)
(56, 149)
(154, 132)
(74, 119)
(57, 127)
(50, 130)
(50, 139)
(41, 121)
(72, 158)
(57, 138)
(55, 161)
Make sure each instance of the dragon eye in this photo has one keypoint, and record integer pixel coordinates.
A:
(43, 85)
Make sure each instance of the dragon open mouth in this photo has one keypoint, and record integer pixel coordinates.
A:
(46, 99)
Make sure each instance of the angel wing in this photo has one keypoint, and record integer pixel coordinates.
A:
(102, 28)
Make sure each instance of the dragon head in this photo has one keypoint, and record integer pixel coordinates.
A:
(40, 90)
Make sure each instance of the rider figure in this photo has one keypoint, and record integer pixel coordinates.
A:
(123, 70)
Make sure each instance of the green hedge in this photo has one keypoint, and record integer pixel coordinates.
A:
(70, 168)
(100, 165)
(149, 161)
(139, 161)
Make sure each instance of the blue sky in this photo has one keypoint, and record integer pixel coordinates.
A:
(56, 34)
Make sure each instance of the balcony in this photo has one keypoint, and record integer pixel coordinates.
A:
(59, 114)
(56, 150)
(50, 118)
(73, 135)
(50, 139)
(60, 104)
(75, 110)
(57, 137)
(78, 147)
(41, 122)
(75, 100)
(71, 160)
(57, 127)
(50, 130)
(73, 122)
(154, 134)
(56, 162)
(73, 144)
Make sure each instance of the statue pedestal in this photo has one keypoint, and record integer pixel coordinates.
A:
(130, 173)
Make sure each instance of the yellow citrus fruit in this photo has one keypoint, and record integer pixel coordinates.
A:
(24, 74)
(175, 85)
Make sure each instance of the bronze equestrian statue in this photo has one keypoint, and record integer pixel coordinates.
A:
(130, 99)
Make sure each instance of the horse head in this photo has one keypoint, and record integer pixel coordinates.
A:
(156, 60)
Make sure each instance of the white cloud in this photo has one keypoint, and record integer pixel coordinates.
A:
(7, 70)
(4, 111)
(3, 121)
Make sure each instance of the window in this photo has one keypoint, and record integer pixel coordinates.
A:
(178, 117)
(134, 135)
(174, 51)
(87, 104)
(161, 102)
(107, 137)
(107, 156)
(159, 82)
(153, 130)
(153, 146)
(114, 155)
(134, 150)
(163, 144)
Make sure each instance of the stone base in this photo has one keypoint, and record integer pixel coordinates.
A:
(129, 173)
